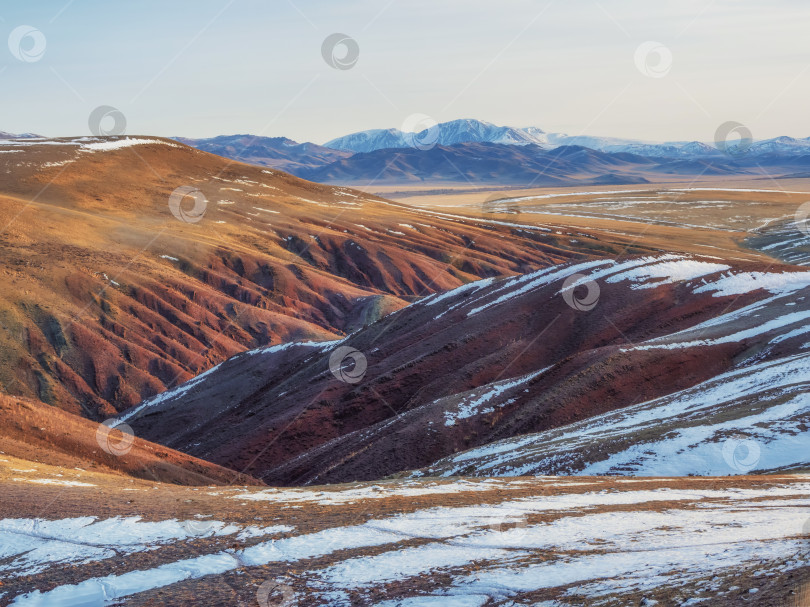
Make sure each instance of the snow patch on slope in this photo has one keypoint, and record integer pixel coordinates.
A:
(676, 435)
(471, 405)
(118, 144)
(182, 389)
(732, 529)
(37, 544)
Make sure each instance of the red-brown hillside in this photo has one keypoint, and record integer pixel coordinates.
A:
(484, 363)
(109, 298)
(43, 434)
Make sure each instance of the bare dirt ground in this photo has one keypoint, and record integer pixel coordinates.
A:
(542, 541)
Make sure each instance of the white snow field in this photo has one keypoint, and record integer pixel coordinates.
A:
(608, 544)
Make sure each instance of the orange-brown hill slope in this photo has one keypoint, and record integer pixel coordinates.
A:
(35, 432)
(108, 297)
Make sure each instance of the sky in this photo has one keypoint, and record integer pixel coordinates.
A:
(653, 70)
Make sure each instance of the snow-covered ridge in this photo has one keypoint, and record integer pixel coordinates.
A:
(684, 433)
(173, 393)
(644, 272)
(703, 274)
(89, 144)
(447, 133)
(478, 131)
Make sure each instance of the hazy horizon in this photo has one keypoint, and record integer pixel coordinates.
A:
(129, 132)
(217, 67)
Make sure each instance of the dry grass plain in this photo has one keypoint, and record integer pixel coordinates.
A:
(707, 216)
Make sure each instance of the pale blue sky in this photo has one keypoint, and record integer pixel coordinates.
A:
(204, 67)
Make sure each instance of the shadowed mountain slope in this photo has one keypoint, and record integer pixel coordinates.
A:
(274, 152)
(478, 163)
(488, 361)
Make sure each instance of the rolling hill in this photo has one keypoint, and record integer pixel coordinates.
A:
(46, 438)
(500, 358)
(485, 163)
(112, 296)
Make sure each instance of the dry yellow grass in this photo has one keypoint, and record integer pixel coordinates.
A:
(708, 218)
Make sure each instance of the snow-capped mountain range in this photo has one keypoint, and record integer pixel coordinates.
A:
(447, 133)
(481, 152)
(5, 135)
(477, 131)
